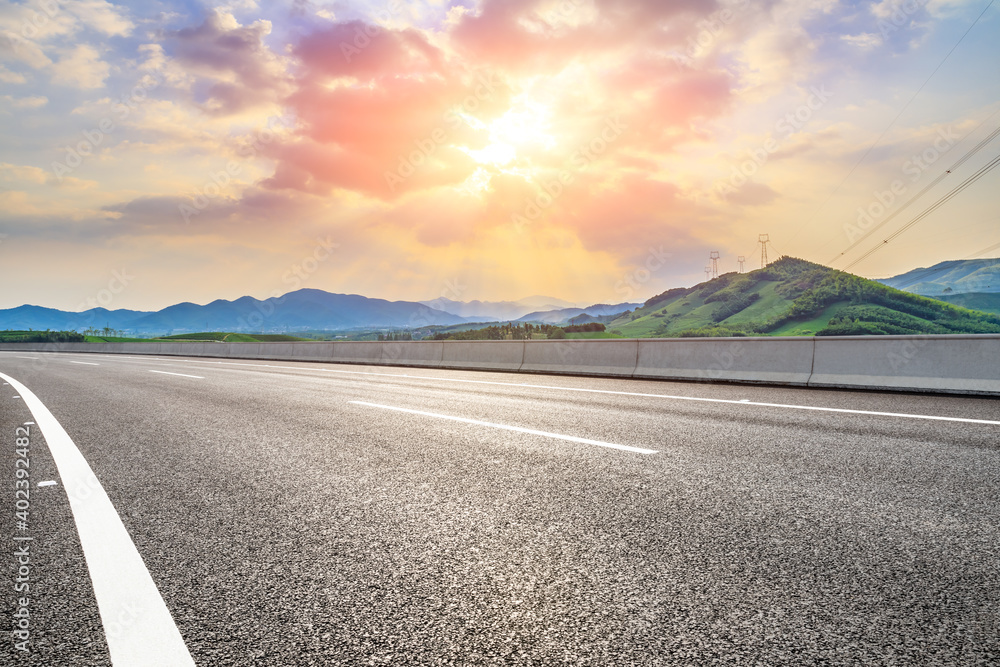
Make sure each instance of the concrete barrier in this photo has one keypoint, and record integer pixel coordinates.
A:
(243, 350)
(948, 364)
(356, 352)
(581, 357)
(753, 360)
(427, 354)
(491, 355)
(960, 364)
(319, 351)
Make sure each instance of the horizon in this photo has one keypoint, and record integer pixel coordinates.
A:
(478, 150)
(553, 299)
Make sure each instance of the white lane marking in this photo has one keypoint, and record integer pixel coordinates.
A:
(122, 584)
(32, 358)
(48, 483)
(197, 377)
(85, 363)
(901, 415)
(546, 434)
(525, 385)
(29, 423)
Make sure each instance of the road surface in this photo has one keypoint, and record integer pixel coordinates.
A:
(280, 513)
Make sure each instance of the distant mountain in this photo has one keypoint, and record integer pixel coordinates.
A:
(961, 276)
(497, 311)
(297, 311)
(578, 315)
(987, 303)
(793, 297)
(40, 319)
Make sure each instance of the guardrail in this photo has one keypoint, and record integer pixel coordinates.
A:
(960, 364)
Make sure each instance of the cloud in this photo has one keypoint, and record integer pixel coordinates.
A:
(365, 51)
(101, 16)
(14, 173)
(232, 68)
(864, 41)
(81, 67)
(33, 102)
(753, 194)
(6, 76)
(16, 48)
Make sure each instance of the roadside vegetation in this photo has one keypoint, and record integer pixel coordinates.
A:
(527, 331)
(41, 337)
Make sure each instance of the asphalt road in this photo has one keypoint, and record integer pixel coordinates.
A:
(292, 514)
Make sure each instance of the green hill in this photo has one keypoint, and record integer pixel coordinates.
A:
(794, 297)
(988, 303)
(223, 337)
(961, 276)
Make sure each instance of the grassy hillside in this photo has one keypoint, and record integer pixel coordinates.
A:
(223, 337)
(792, 297)
(963, 276)
(987, 303)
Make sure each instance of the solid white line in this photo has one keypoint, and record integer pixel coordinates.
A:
(85, 363)
(137, 623)
(48, 483)
(197, 377)
(32, 358)
(571, 438)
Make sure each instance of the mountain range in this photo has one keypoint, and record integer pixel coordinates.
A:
(788, 297)
(963, 276)
(498, 311)
(302, 310)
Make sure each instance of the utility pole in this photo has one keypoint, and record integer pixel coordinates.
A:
(742, 260)
(714, 256)
(708, 273)
(763, 240)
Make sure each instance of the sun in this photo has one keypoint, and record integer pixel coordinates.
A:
(522, 130)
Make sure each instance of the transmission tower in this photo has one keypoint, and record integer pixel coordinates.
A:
(741, 260)
(708, 273)
(763, 240)
(714, 256)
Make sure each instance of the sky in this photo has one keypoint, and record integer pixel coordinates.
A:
(595, 151)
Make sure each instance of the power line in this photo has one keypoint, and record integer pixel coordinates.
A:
(933, 207)
(903, 110)
(965, 158)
